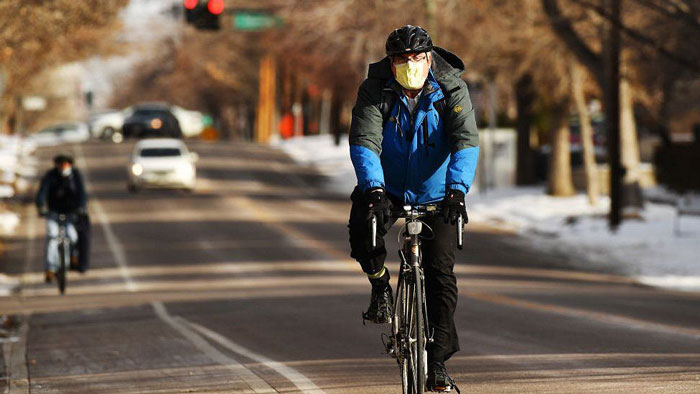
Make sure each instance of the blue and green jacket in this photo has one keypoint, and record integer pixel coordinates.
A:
(415, 158)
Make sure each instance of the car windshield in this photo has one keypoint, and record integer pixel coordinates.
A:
(150, 112)
(160, 152)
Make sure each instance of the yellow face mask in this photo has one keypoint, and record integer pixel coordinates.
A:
(411, 75)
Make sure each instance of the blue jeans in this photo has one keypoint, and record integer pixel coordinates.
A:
(52, 231)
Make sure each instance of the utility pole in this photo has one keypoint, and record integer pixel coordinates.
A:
(612, 113)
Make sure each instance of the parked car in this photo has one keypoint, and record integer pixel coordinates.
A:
(190, 121)
(162, 163)
(62, 133)
(151, 120)
(105, 124)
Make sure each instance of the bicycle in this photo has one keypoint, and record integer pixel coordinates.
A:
(410, 332)
(63, 243)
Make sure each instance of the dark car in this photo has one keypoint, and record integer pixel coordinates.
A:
(151, 120)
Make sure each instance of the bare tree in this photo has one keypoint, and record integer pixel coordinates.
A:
(39, 34)
(590, 166)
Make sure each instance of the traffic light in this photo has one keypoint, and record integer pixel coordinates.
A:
(204, 14)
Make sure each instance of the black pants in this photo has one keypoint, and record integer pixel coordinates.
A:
(438, 266)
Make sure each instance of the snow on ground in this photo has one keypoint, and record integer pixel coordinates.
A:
(647, 249)
(16, 163)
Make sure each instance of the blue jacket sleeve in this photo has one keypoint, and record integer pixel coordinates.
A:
(368, 167)
(461, 170)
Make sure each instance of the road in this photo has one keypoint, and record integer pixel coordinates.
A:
(245, 286)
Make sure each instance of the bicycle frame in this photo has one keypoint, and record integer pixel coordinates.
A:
(64, 250)
(410, 330)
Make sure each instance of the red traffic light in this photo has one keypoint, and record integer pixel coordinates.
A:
(216, 7)
(190, 4)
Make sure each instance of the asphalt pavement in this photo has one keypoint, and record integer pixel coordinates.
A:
(245, 285)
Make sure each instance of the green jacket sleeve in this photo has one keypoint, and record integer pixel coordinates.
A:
(461, 122)
(366, 136)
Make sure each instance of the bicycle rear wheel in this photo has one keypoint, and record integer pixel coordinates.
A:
(63, 254)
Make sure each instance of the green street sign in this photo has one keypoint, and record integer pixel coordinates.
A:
(255, 20)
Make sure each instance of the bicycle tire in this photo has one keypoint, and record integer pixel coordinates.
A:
(399, 328)
(61, 274)
(419, 349)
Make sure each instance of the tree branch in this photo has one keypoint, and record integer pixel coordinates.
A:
(564, 30)
(676, 14)
(691, 65)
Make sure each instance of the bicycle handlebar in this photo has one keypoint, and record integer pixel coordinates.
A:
(418, 211)
(62, 217)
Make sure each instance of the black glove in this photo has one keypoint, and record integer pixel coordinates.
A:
(378, 205)
(453, 206)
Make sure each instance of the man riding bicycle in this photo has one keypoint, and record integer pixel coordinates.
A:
(413, 140)
(62, 192)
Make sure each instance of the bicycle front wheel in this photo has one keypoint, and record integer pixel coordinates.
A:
(63, 255)
(418, 334)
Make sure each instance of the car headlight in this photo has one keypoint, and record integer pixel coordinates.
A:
(137, 169)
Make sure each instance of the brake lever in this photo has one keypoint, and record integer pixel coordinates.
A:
(460, 232)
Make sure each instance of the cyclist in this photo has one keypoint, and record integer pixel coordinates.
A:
(61, 192)
(413, 140)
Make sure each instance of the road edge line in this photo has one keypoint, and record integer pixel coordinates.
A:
(256, 383)
(303, 383)
(113, 242)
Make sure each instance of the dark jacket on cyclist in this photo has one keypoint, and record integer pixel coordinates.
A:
(61, 194)
(415, 157)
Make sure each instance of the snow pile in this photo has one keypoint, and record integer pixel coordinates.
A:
(16, 163)
(647, 249)
(8, 223)
(8, 285)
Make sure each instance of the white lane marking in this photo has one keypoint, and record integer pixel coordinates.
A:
(300, 381)
(254, 381)
(114, 245)
(15, 354)
(113, 242)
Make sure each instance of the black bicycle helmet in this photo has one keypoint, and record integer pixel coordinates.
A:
(408, 39)
(62, 158)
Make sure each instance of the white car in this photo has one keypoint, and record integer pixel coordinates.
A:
(63, 133)
(162, 163)
(108, 123)
(190, 121)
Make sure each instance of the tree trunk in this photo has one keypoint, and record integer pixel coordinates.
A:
(629, 143)
(586, 133)
(524, 97)
(560, 183)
